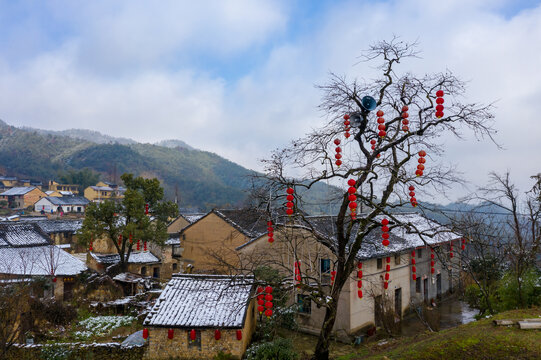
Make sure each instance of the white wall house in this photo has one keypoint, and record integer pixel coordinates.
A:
(68, 204)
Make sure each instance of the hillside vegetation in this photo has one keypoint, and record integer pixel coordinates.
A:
(203, 179)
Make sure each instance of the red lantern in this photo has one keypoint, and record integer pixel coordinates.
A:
(192, 335)
(385, 235)
(54, 279)
(145, 333)
(405, 108)
(381, 127)
(239, 334)
(90, 247)
(422, 153)
(413, 269)
(381, 120)
(171, 333)
(388, 259)
(385, 242)
(119, 240)
(338, 162)
(260, 309)
(346, 117)
(439, 93)
(131, 239)
(384, 222)
(290, 191)
(337, 156)
(145, 246)
(217, 334)
(385, 285)
(382, 133)
(259, 289)
(388, 268)
(432, 270)
(337, 142)
(414, 277)
(359, 283)
(352, 190)
(360, 265)
(268, 313)
(352, 197)
(386, 276)
(440, 101)
(379, 113)
(352, 205)
(413, 261)
(260, 302)
(347, 134)
(146, 209)
(268, 304)
(268, 289)
(138, 244)
(360, 274)
(360, 294)
(268, 297)
(385, 228)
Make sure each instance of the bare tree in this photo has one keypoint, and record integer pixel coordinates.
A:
(520, 228)
(382, 174)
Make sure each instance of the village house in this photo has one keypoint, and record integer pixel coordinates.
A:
(198, 316)
(68, 188)
(26, 253)
(239, 238)
(211, 241)
(9, 181)
(63, 233)
(22, 197)
(104, 191)
(65, 204)
(183, 220)
(140, 262)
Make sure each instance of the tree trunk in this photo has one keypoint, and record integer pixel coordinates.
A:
(322, 347)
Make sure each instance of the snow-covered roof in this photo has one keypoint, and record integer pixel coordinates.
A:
(57, 226)
(22, 234)
(202, 301)
(174, 239)
(139, 257)
(101, 188)
(191, 218)
(38, 261)
(129, 278)
(18, 191)
(66, 200)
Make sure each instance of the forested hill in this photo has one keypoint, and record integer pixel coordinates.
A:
(203, 179)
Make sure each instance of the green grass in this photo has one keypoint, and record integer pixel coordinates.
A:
(476, 340)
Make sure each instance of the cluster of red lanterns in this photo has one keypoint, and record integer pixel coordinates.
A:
(145, 248)
(264, 301)
(421, 165)
(297, 273)
(146, 209)
(360, 280)
(290, 199)
(131, 239)
(413, 268)
(90, 248)
(463, 244)
(439, 102)
(385, 232)
(333, 276)
(347, 127)
(138, 244)
(352, 198)
(373, 146)
(405, 121)
(381, 124)
(432, 261)
(387, 270)
(413, 200)
(270, 231)
(338, 155)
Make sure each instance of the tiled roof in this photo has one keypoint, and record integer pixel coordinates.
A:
(251, 222)
(202, 301)
(141, 257)
(21, 234)
(102, 188)
(39, 260)
(17, 191)
(68, 200)
(57, 226)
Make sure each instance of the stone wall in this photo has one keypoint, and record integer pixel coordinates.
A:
(75, 351)
(161, 347)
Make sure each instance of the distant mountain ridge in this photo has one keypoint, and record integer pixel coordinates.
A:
(196, 178)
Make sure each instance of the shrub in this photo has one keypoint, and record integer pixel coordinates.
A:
(279, 349)
(53, 311)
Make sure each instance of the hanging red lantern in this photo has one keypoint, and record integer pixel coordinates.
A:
(333, 276)
(260, 302)
(337, 142)
(145, 333)
(260, 309)
(270, 228)
(360, 274)
(90, 246)
(217, 334)
(346, 117)
(171, 333)
(405, 121)
(388, 259)
(347, 134)
(268, 313)
(239, 334)
(359, 283)
(290, 204)
(268, 297)
(385, 232)
(463, 246)
(387, 267)
(414, 277)
(268, 304)
(360, 265)
(385, 285)
(360, 293)
(54, 279)
(138, 244)
(259, 289)
(145, 248)
(193, 335)
(338, 162)
(352, 198)
(268, 289)
(119, 240)
(146, 209)
(131, 239)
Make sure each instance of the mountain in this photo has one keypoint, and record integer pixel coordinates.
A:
(199, 178)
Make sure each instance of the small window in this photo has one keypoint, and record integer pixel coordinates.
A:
(420, 253)
(143, 270)
(325, 266)
(418, 285)
(397, 259)
(380, 263)
(183, 236)
(175, 266)
(194, 343)
(156, 272)
(304, 303)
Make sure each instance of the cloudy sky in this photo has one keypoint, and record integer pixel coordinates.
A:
(238, 77)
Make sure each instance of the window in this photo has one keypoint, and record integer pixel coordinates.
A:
(418, 285)
(397, 259)
(325, 266)
(419, 253)
(380, 263)
(304, 303)
(143, 270)
(194, 343)
(175, 266)
(156, 272)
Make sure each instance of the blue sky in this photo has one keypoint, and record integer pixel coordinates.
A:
(237, 77)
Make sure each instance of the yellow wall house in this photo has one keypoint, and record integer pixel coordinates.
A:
(54, 186)
(362, 311)
(22, 197)
(198, 316)
(9, 181)
(209, 244)
(100, 193)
